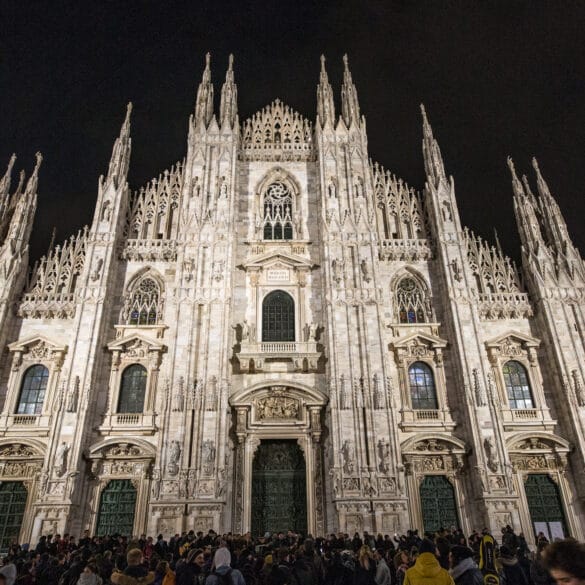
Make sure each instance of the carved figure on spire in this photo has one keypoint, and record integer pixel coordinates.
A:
(228, 108)
(350, 108)
(325, 105)
(204, 101)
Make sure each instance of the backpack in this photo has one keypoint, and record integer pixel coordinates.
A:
(487, 561)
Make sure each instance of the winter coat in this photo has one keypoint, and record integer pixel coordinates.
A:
(383, 576)
(512, 572)
(236, 578)
(132, 575)
(427, 571)
(467, 573)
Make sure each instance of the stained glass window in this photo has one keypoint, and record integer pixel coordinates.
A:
(410, 302)
(132, 389)
(423, 393)
(517, 385)
(278, 212)
(144, 303)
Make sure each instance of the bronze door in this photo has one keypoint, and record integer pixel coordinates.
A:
(439, 508)
(279, 492)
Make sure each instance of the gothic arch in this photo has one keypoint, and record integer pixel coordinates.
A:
(155, 305)
(145, 271)
(420, 307)
(281, 175)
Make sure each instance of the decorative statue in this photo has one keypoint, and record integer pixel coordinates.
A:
(61, 458)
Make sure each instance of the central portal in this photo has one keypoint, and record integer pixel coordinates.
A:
(279, 488)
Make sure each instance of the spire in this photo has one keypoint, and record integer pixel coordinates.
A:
(31, 186)
(434, 167)
(228, 108)
(5, 180)
(552, 218)
(120, 160)
(525, 209)
(350, 107)
(325, 105)
(204, 102)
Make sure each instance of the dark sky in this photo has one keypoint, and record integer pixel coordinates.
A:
(497, 78)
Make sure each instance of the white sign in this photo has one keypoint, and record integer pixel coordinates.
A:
(542, 527)
(278, 275)
(556, 530)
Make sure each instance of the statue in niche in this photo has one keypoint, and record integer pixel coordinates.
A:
(337, 268)
(446, 211)
(61, 459)
(106, 211)
(196, 187)
(245, 331)
(332, 189)
(174, 456)
(97, 270)
(313, 327)
(73, 396)
(208, 455)
(384, 456)
(223, 190)
(491, 453)
(348, 458)
(365, 270)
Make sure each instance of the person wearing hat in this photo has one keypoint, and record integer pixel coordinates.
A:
(426, 569)
(222, 573)
(463, 568)
(191, 571)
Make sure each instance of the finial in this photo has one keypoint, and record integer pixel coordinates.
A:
(511, 166)
(424, 114)
(322, 62)
(11, 163)
(207, 60)
(39, 158)
(231, 62)
(535, 165)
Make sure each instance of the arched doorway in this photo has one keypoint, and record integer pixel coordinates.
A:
(117, 508)
(13, 496)
(544, 503)
(279, 492)
(439, 507)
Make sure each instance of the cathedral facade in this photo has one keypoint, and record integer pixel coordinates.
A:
(278, 333)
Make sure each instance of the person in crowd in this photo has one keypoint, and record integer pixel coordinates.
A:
(135, 572)
(9, 570)
(464, 569)
(163, 574)
(89, 576)
(512, 570)
(383, 575)
(222, 573)
(426, 569)
(190, 572)
(365, 569)
(565, 561)
(401, 564)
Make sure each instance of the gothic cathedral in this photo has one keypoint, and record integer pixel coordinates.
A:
(278, 333)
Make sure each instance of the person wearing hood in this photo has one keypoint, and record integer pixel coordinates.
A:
(135, 573)
(89, 576)
(463, 568)
(222, 573)
(426, 569)
(512, 570)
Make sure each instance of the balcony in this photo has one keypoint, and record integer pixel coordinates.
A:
(124, 422)
(520, 418)
(278, 356)
(416, 420)
(25, 424)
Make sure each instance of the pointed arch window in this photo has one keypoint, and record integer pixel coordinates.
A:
(132, 389)
(423, 392)
(277, 212)
(32, 390)
(144, 303)
(517, 385)
(411, 302)
(278, 317)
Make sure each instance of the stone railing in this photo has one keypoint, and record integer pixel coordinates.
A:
(410, 250)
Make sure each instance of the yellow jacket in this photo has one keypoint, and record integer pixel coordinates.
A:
(427, 571)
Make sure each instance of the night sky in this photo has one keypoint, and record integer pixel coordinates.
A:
(497, 79)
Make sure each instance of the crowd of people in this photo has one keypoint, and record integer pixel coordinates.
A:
(446, 557)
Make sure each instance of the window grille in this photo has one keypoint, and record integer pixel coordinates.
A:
(278, 317)
(144, 304)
